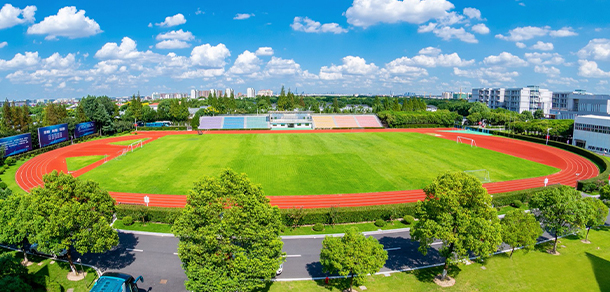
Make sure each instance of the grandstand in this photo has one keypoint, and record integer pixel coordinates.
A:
(258, 122)
(233, 122)
(346, 121)
(289, 120)
(208, 123)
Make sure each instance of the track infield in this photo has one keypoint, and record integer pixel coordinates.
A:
(344, 155)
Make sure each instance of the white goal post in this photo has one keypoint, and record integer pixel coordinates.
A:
(466, 140)
(481, 174)
(136, 144)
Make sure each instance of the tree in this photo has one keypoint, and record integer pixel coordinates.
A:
(13, 275)
(72, 213)
(538, 114)
(16, 221)
(352, 255)
(558, 210)
(148, 114)
(282, 100)
(7, 116)
(520, 229)
(457, 210)
(229, 235)
(595, 214)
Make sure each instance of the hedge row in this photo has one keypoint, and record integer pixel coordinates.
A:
(153, 214)
(347, 214)
(505, 199)
(602, 164)
(405, 119)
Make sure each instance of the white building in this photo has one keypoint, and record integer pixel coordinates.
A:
(529, 98)
(447, 95)
(592, 133)
(155, 95)
(265, 92)
(229, 91)
(197, 93)
(569, 105)
(250, 92)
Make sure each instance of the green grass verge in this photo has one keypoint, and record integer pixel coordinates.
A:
(305, 164)
(76, 163)
(505, 209)
(9, 177)
(57, 272)
(149, 227)
(127, 142)
(580, 267)
(328, 229)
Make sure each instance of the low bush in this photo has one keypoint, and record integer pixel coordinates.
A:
(153, 214)
(3, 185)
(318, 227)
(9, 161)
(409, 220)
(517, 204)
(348, 214)
(379, 222)
(53, 287)
(127, 220)
(508, 198)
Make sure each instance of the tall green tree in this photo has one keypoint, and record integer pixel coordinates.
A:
(16, 221)
(457, 211)
(352, 255)
(135, 107)
(7, 116)
(72, 213)
(26, 121)
(595, 214)
(282, 100)
(229, 235)
(559, 211)
(148, 114)
(80, 113)
(13, 275)
(520, 229)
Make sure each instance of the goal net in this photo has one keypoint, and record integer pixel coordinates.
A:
(481, 174)
(136, 144)
(465, 140)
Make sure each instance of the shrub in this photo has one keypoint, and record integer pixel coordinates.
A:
(5, 166)
(379, 223)
(349, 214)
(153, 214)
(318, 227)
(517, 204)
(282, 228)
(9, 161)
(409, 220)
(127, 220)
(53, 287)
(2, 170)
(3, 185)
(604, 193)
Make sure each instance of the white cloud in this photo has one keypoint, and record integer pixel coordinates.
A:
(170, 21)
(545, 58)
(472, 13)
(210, 56)
(3, 44)
(127, 50)
(480, 28)
(590, 69)
(280, 67)
(68, 22)
(365, 13)
(563, 32)
(10, 16)
(563, 81)
(199, 11)
(551, 71)
(447, 33)
(176, 35)
(264, 51)
(246, 63)
(542, 46)
(352, 65)
(311, 26)
(240, 16)
(201, 73)
(483, 73)
(529, 32)
(61, 85)
(172, 44)
(599, 49)
(57, 61)
(430, 51)
(520, 45)
(440, 60)
(505, 59)
(19, 60)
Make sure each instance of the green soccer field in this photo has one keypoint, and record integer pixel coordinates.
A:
(305, 164)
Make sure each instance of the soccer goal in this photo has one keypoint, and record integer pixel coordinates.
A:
(465, 140)
(136, 144)
(480, 174)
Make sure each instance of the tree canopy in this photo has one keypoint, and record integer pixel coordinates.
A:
(229, 235)
(520, 229)
(457, 211)
(595, 214)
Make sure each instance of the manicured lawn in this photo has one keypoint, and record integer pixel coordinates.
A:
(57, 272)
(76, 163)
(506, 209)
(149, 227)
(9, 177)
(362, 227)
(127, 142)
(305, 164)
(580, 267)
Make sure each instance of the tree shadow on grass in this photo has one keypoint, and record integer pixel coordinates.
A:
(601, 268)
(427, 275)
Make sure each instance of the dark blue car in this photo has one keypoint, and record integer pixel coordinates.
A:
(116, 282)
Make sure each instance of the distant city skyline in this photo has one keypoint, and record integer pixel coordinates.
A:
(50, 50)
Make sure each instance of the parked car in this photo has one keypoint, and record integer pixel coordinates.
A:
(55, 254)
(116, 282)
(280, 270)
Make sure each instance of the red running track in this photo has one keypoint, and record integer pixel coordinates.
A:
(572, 166)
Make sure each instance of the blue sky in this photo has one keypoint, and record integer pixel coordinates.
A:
(61, 49)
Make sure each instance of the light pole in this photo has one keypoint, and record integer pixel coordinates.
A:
(547, 135)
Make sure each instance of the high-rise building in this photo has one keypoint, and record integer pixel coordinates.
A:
(250, 92)
(229, 91)
(265, 92)
(569, 105)
(529, 98)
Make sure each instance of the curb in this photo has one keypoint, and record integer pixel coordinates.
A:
(146, 233)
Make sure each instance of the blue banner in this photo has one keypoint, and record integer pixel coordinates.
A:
(16, 144)
(52, 134)
(84, 129)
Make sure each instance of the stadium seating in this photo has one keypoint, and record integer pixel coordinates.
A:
(207, 123)
(368, 121)
(233, 123)
(257, 123)
(324, 122)
(346, 121)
